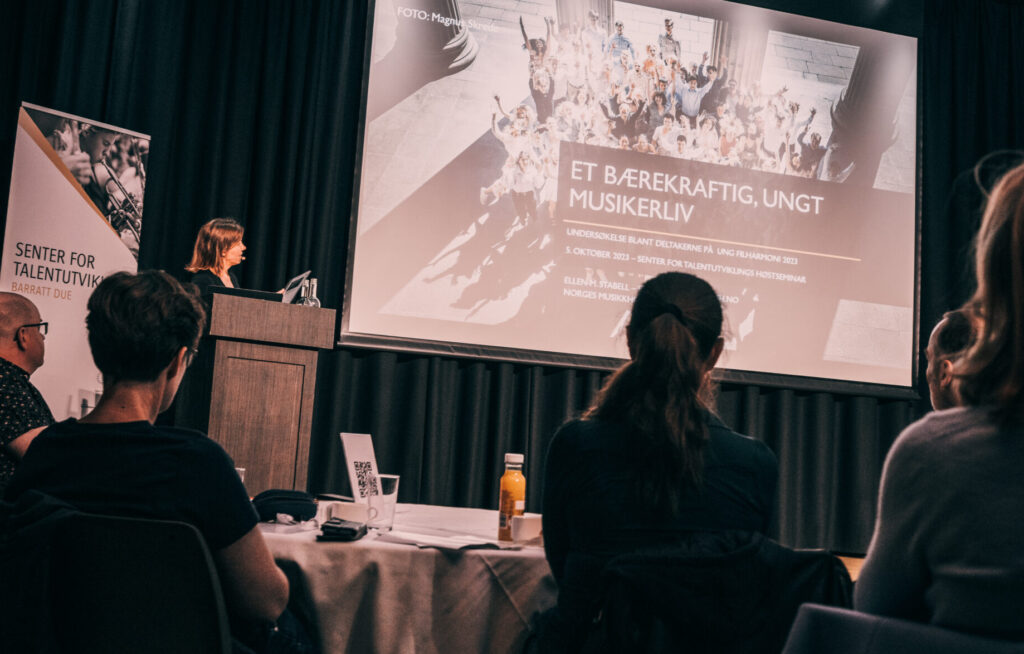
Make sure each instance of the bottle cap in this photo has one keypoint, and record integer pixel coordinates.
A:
(514, 458)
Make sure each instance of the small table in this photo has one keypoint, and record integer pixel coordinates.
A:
(373, 596)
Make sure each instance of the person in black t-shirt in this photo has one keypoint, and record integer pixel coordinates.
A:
(143, 331)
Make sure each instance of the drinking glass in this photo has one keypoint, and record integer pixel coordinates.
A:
(381, 508)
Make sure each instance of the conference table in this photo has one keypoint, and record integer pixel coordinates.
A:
(382, 594)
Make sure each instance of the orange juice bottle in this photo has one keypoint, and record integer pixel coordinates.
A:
(511, 494)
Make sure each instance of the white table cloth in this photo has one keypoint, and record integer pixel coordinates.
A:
(380, 597)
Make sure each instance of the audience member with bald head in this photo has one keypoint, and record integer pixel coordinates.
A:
(23, 412)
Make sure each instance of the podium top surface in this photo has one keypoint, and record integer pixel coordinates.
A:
(249, 319)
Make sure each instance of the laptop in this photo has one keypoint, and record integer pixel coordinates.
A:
(291, 289)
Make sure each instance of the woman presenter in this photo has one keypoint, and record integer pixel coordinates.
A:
(218, 248)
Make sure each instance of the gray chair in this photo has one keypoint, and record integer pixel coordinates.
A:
(134, 585)
(827, 630)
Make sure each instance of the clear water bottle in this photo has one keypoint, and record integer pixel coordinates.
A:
(308, 294)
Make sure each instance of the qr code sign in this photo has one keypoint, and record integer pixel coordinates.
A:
(365, 479)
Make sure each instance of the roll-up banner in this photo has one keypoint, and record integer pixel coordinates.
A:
(74, 216)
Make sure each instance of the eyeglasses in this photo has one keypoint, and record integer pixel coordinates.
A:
(190, 355)
(43, 327)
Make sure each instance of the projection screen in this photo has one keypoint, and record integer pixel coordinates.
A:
(523, 170)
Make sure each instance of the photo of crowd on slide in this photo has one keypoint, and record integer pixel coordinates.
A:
(476, 226)
(616, 90)
(109, 165)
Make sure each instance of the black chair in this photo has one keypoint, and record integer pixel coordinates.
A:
(711, 593)
(828, 630)
(134, 585)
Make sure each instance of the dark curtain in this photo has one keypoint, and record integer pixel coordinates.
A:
(973, 83)
(253, 108)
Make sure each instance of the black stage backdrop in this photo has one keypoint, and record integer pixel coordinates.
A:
(253, 108)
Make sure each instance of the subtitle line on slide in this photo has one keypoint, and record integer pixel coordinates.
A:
(712, 240)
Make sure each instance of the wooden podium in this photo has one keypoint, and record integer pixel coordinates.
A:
(252, 386)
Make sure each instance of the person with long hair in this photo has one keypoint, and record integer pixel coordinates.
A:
(217, 249)
(948, 546)
(650, 457)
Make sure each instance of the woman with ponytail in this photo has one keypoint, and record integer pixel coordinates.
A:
(649, 458)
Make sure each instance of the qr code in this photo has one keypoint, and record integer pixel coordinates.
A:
(365, 479)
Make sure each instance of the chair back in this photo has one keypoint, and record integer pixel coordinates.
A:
(134, 585)
(829, 630)
(717, 593)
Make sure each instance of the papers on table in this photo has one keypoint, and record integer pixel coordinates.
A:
(442, 539)
(286, 524)
(452, 529)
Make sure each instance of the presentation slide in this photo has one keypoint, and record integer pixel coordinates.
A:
(524, 171)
